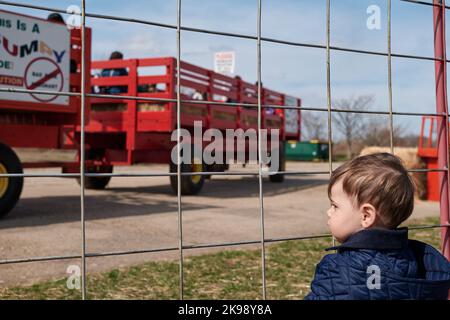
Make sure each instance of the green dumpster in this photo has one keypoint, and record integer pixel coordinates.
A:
(313, 150)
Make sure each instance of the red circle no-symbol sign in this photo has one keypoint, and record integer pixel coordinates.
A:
(43, 74)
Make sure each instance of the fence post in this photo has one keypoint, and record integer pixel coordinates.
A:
(442, 122)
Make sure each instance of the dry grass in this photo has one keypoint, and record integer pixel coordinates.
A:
(229, 274)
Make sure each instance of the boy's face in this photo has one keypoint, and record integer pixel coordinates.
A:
(344, 217)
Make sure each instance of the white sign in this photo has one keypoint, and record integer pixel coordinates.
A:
(224, 62)
(291, 115)
(34, 55)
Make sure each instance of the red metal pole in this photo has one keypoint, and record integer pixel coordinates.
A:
(132, 112)
(442, 122)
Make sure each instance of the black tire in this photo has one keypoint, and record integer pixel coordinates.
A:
(10, 188)
(190, 185)
(277, 178)
(97, 183)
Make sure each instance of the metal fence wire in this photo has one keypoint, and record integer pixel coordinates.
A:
(440, 59)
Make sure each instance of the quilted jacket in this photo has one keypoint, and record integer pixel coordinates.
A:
(380, 264)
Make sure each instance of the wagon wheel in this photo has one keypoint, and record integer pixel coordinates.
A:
(96, 183)
(10, 188)
(190, 184)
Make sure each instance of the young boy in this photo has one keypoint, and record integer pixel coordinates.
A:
(370, 197)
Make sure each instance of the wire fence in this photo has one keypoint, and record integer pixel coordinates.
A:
(439, 8)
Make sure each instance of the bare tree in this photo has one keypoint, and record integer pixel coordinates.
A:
(314, 125)
(378, 133)
(351, 125)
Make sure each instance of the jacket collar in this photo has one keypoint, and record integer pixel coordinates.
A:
(376, 239)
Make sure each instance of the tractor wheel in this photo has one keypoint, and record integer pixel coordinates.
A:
(282, 164)
(10, 188)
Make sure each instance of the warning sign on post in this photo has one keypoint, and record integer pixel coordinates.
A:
(224, 62)
(34, 55)
(291, 115)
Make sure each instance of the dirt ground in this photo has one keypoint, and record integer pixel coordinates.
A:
(141, 213)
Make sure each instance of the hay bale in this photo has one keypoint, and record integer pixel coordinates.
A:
(411, 161)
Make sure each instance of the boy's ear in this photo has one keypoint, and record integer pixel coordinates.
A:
(368, 215)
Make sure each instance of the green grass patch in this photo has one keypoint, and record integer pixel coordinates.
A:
(229, 274)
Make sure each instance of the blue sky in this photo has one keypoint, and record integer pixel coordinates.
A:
(293, 70)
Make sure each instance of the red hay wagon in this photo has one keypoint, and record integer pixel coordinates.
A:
(123, 131)
(119, 131)
(36, 120)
